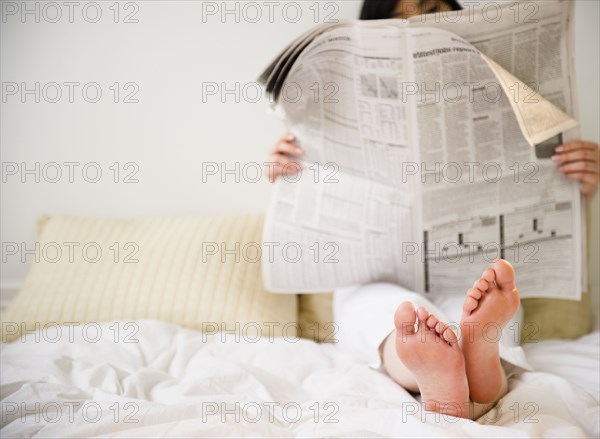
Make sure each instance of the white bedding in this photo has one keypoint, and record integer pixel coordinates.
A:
(171, 381)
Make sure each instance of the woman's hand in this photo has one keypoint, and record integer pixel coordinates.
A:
(283, 158)
(580, 160)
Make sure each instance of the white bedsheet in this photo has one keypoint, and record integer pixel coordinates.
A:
(174, 382)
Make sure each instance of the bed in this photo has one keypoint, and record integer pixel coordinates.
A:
(144, 358)
(168, 381)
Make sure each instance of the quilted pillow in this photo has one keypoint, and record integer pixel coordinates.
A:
(202, 273)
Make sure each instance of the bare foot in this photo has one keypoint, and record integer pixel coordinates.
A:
(489, 306)
(432, 353)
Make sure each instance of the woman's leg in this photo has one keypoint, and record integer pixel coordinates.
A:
(365, 320)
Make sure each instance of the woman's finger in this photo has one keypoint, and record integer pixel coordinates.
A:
(580, 166)
(280, 160)
(586, 177)
(287, 145)
(577, 144)
(287, 148)
(576, 155)
(278, 164)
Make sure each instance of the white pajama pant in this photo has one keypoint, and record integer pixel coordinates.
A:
(365, 317)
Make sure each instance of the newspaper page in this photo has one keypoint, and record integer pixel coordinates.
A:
(418, 168)
(485, 195)
(542, 236)
(341, 218)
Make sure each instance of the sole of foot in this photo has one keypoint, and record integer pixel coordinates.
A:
(430, 350)
(488, 307)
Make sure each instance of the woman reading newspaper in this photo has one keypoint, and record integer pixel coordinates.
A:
(406, 333)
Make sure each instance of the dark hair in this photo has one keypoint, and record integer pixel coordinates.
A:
(380, 9)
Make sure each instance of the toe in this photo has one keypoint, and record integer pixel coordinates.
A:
(474, 293)
(405, 318)
(469, 305)
(481, 284)
(489, 275)
(447, 333)
(423, 314)
(432, 321)
(504, 274)
(422, 328)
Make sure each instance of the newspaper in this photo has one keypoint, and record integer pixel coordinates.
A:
(427, 153)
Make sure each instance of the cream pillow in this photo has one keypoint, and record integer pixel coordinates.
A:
(315, 317)
(169, 269)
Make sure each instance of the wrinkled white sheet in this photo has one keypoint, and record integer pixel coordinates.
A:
(174, 382)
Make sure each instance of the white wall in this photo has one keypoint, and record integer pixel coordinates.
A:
(587, 40)
(169, 54)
